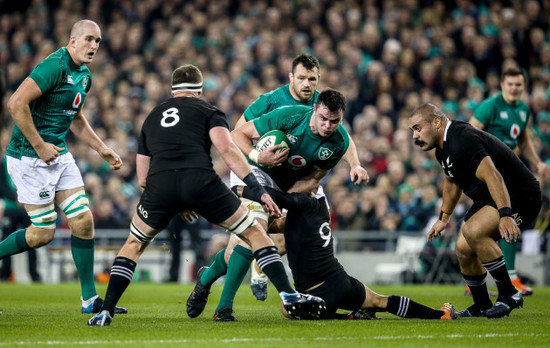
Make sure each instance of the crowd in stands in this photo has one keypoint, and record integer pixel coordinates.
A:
(385, 56)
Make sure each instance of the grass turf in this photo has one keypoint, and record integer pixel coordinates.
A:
(40, 315)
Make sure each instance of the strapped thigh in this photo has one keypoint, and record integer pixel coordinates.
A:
(246, 221)
(139, 235)
(44, 217)
(75, 204)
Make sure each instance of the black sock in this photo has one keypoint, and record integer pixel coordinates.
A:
(404, 307)
(270, 263)
(498, 271)
(122, 274)
(478, 287)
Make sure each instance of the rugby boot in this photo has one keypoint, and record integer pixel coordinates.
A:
(199, 297)
(504, 305)
(302, 306)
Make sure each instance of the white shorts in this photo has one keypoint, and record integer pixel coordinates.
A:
(265, 180)
(37, 182)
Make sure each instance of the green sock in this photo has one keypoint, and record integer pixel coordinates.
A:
(509, 253)
(14, 244)
(238, 266)
(83, 256)
(217, 269)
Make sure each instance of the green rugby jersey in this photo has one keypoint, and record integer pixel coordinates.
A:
(272, 100)
(306, 148)
(64, 86)
(503, 120)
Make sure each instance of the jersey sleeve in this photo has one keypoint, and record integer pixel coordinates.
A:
(259, 107)
(47, 74)
(484, 112)
(142, 146)
(218, 119)
(472, 151)
(270, 121)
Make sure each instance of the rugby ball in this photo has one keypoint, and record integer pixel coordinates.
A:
(272, 138)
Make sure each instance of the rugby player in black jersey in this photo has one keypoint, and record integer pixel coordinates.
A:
(506, 197)
(175, 169)
(316, 270)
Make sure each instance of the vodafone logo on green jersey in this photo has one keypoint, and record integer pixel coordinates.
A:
(296, 161)
(77, 100)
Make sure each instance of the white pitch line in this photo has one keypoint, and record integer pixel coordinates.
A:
(268, 339)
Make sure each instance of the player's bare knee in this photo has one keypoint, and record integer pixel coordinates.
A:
(82, 225)
(37, 236)
(469, 232)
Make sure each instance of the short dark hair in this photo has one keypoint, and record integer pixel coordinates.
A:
(308, 61)
(513, 71)
(428, 111)
(332, 99)
(187, 73)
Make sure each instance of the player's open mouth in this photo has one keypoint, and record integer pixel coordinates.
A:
(419, 142)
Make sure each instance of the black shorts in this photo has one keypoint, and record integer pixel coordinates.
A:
(170, 192)
(527, 210)
(340, 291)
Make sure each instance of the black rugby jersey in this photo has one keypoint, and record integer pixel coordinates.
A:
(464, 148)
(308, 237)
(175, 134)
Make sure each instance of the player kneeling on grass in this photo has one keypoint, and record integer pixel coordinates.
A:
(317, 272)
(175, 169)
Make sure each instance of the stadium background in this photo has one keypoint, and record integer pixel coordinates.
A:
(385, 56)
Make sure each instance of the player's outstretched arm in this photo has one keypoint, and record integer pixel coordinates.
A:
(451, 195)
(309, 183)
(82, 129)
(357, 173)
(488, 173)
(527, 149)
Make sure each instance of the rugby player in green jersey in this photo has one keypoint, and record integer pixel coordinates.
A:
(318, 141)
(506, 116)
(45, 106)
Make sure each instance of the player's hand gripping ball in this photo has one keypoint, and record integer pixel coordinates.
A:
(272, 138)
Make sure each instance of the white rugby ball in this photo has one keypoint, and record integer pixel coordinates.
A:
(272, 138)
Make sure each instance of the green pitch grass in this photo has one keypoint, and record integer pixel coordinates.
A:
(49, 315)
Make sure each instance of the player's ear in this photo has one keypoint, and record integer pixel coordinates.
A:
(437, 122)
(290, 75)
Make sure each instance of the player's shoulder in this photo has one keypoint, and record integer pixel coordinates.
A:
(56, 60)
(463, 132)
(183, 102)
(292, 111)
(488, 104)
